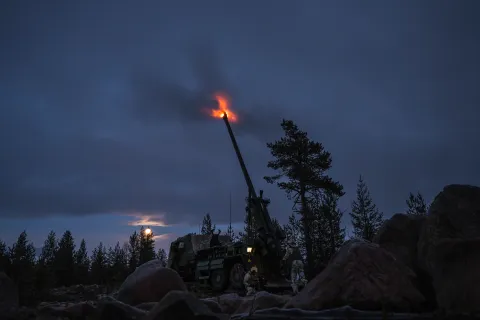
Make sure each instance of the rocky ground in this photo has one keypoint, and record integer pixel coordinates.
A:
(416, 268)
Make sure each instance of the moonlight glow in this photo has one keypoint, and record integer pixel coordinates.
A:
(148, 231)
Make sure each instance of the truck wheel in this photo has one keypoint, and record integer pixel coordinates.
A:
(219, 280)
(237, 273)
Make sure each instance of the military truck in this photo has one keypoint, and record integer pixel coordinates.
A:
(224, 265)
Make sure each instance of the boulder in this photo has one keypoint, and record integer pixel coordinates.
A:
(78, 310)
(114, 309)
(399, 235)
(229, 302)
(449, 249)
(213, 305)
(8, 295)
(181, 305)
(364, 276)
(260, 301)
(150, 282)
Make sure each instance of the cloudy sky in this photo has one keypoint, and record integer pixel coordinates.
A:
(101, 122)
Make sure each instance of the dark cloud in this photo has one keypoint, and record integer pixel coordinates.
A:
(106, 116)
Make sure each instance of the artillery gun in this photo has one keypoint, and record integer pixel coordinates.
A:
(224, 265)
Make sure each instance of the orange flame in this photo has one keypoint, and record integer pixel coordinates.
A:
(223, 108)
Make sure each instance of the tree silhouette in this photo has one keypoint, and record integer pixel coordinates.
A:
(207, 226)
(416, 204)
(366, 219)
(301, 165)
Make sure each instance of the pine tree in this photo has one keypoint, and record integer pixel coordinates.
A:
(22, 255)
(133, 251)
(118, 264)
(230, 233)
(65, 260)
(46, 263)
(162, 256)
(82, 264)
(330, 225)
(99, 268)
(147, 247)
(366, 219)
(4, 258)
(416, 204)
(301, 165)
(207, 226)
(294, 233)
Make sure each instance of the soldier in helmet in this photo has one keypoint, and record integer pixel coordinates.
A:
(293, 258)
(250, 280)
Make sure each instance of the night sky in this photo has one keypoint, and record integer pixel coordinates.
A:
(101, 122)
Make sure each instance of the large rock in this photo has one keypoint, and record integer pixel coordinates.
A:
(364, 276)
(229, 302)
(113, 309)
(8, 295)
(150, 282)
(399, 235)
(71, 310)
(260, 301)
(181, 305)
(449, 248)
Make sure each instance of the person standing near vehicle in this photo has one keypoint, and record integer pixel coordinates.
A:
(250, 281)
(293, 258)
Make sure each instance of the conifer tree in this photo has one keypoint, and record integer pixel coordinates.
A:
(301, 165)
(366, 219)
(162, 256)
(82, 264)
(65, 260)
(22, 255)
(330, 218)
(4, 258)
(416, 204)
(147, 247)
(207, 226)
(46, 263)
(99, 268)
(133, 251)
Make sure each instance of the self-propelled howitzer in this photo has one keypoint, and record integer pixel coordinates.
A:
(267, 247)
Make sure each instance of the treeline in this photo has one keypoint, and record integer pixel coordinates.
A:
(301, 168)
(61, 263)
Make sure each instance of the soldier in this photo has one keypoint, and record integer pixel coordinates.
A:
(293, 258)
(250, 281)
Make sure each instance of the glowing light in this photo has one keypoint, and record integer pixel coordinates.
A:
(249, 249)
(148, 231)
(223, 108)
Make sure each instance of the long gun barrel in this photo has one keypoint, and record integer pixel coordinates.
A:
(262, 212)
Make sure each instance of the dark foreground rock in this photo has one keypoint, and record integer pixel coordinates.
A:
(399, 235)
(449, 249)
(364, 276)
(150, 282)
(182, 305)
(330, 314)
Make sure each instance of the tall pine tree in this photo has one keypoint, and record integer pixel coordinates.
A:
(65, 260)
(301, 165)
(133, 251)
(82, 264)
(366, 219)
(22, 255)
(147, 246)
(46, 263)
(330, 219)
(416, 204)
(99, 268)
(207, 226)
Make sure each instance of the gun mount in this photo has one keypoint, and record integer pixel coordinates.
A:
(267, 247)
